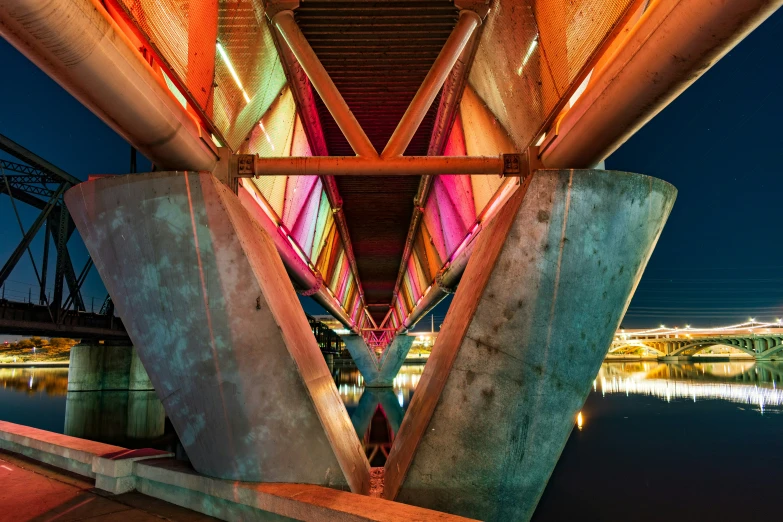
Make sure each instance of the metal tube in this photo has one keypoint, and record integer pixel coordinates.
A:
(449, 276)
(296, 268)
(396, 166)
(360, 143)
(78, 45)
(669, 48)
(409, 124)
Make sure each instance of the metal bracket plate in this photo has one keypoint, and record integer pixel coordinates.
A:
(521, 165)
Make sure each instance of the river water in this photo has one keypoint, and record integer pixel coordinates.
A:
(657, 441)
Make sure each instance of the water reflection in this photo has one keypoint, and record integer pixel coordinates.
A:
(746, 382)
(376, 413)
(51, 381)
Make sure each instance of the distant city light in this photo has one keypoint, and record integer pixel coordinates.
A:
(579, 420)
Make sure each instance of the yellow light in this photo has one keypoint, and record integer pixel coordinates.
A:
(579, 421)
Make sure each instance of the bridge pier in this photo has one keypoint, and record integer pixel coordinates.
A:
(379, 372)
(207, 302)
(107, 366)
(533, 317)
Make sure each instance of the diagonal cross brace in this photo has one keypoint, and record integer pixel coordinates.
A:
(292, 35)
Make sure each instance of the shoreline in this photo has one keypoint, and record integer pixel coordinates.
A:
(44, 364)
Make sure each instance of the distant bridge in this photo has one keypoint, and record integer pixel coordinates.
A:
(759, 342)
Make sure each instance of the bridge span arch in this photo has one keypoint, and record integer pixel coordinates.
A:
(767, 346)
(695, 347)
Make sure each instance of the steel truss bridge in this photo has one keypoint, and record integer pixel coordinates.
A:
(34, 182)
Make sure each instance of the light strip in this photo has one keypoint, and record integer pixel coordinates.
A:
(268, 139)
(529, 53)
(233, 72)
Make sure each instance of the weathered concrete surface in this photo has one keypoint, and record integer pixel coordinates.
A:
(379, 371)
(138, 379)
(207, 302)
(114, 416)
(532, 319)
(96, 367)
(117, 470)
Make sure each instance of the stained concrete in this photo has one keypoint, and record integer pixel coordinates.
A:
(110, 366)
(207, 302)
(379, 371)
(534, 315)
(114, 416)
(35, 489)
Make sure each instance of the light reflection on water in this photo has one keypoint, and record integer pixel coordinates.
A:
(31, 380)
(38, 397)
(676, 442)
(745, 382)
(376, 413)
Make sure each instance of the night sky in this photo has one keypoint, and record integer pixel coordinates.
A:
(718, 260)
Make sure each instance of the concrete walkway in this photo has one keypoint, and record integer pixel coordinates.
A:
(31, 491)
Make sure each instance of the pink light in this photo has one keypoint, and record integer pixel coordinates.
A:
(461, 246)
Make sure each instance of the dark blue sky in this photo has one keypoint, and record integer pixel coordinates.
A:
(718, 259)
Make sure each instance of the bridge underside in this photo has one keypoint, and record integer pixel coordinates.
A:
(201, 288)
(367, 156)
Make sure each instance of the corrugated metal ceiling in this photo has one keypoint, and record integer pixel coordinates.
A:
(377, 53)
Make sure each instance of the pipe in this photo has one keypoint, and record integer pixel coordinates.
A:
(359, 166)
(669, 48)
(311, 122)
(467, 23)
(78, 45)
(449, 276)
(450, 98)
(296, 41)
(299, 272)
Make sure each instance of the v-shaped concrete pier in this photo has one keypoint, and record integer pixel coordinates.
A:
(217, 324)
(542, 295)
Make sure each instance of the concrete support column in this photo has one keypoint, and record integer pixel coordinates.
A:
(206, 300)
(379, 371)
(106, 366)
(534, 315)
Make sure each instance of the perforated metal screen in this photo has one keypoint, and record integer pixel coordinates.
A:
(532, 53)
(189, 35)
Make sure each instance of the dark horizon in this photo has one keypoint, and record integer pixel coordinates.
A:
(716, 261)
